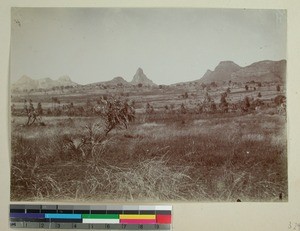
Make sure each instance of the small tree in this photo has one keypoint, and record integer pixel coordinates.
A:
(259, 95)
(132, 104)
(279, 99)
(278, 88)
(117, 114)
(206, 104)
(213, 84)
(224, 103)
(55, 101)
(246, 103)
(213, 106)
(246, 87)
(183, 109)
(49, 112)
(39, 109)
(30, 112)
(185, 95)
(149, 108)
(70, 109)
(228, 90)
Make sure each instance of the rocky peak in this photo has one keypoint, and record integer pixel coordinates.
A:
(139, 71)
(221, 73)
(140, 77)
(227, 65)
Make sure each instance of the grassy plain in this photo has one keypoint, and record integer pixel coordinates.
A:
(164, 156)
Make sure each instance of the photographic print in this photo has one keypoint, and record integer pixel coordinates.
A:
(148, 104)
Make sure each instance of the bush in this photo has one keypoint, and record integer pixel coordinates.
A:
(279, 99)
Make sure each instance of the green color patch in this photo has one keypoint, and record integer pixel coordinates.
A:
(101, 216)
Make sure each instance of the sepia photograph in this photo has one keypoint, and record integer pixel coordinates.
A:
(148, 104)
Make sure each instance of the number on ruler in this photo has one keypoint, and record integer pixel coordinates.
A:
(57, 226)
(107, 226)
(156, 226)
(141, 226)
(42, 225)
(123, 226)
(74, 226)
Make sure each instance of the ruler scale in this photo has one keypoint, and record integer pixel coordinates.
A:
(101, 217)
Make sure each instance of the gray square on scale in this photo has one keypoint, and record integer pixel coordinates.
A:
(80, 226)
(32, 225)
(164, 227)
(65, 207)
(32, 206)
(131, 227)
(81, 207)
(97, 226)
(14, 206)
(98, 207)
(58, 225)
(147, 207)
(114, 207)
(131, 207)
(45, 225)
(49, 207)
(18, 224)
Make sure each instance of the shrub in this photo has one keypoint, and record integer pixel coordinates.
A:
(279, 99)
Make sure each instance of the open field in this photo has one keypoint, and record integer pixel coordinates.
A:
(205, 121)
(162, 156)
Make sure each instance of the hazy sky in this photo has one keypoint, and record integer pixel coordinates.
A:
(170, 45)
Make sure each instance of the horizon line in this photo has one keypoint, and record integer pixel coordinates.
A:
(66, 75)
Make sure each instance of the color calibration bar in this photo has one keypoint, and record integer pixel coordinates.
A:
(106, 217)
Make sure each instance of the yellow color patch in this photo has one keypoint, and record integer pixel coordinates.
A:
(131, 216)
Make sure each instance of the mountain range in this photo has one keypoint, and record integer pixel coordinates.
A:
(27, 83)
(138, 78)
(263, 71)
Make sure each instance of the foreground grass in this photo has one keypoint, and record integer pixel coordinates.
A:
(195, 159)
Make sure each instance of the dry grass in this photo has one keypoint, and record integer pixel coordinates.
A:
(202, 159)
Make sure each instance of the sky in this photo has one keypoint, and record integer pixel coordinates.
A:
(170, 44)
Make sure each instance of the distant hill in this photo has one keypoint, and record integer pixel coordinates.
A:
(140, 77)
(117, 81)
(27, 83)
(263, 71)
(222, 72)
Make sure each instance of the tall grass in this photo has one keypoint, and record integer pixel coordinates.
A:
(204, 159)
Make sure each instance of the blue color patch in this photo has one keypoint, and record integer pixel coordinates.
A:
(62, 216)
